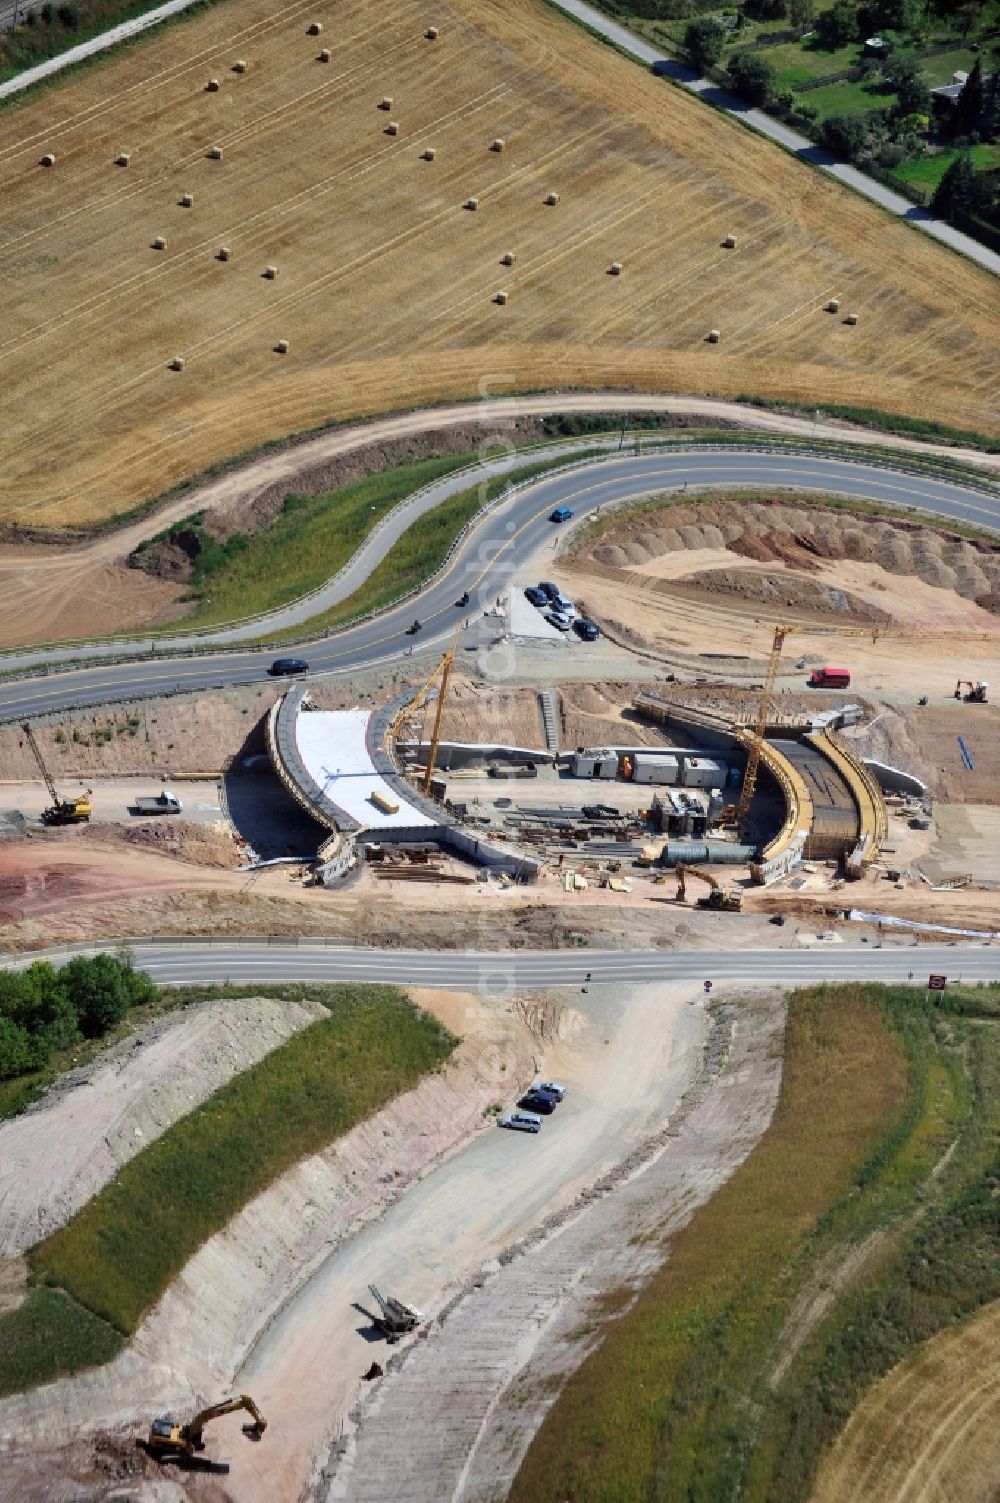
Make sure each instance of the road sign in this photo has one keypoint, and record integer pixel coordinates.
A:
(936, 983)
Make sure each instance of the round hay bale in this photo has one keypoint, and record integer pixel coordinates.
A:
(431, 33)
(498, 144)
(551, 199)
(186, 200)
(729, 243)
(177, 364)
(314, 28)
(385, 103)
(615, 269)
(428, 153)
(851, 318)
(241, 65)
(212, 87)
(713, 336)
(281, 348)
(270, 272)
(224, 253)
(392, 129)
(833, 305)
(324, 55)
(472, 204)
(215, 153)
(48, 160)
(507, 259)
(500, 298)
(123, 158)
(158, 243)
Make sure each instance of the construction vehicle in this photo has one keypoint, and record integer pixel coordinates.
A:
(168, 1437)
(159, 803)
(408, 710)
(976, 693)
(62, 811)
(396, 1318)
(717, 900)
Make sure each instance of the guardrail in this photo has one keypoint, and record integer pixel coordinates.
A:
(151, 646)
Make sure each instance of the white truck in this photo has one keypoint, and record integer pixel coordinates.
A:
(160, 803)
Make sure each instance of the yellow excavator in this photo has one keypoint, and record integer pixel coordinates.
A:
(718, 900)
(168, 1437)
(62, 811)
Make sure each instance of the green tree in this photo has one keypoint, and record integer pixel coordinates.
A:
(838, 27)
(846, 136)
(48, 1005)
(971, 105)
(704, 40)
(97, 990)
(957, 192)
(800, 13)
(912, 94)
(765, 10)
(752, 75)
(16, 1056)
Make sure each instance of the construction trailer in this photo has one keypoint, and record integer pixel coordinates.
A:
(703, 772)
(595, 763)
(656, 767)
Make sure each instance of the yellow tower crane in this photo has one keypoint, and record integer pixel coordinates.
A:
(442, 672)
(756, 746)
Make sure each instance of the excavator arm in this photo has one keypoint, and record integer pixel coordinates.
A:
(193, 1431)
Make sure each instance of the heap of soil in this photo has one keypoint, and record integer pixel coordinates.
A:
(798, 537)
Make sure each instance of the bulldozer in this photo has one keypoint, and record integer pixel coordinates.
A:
(62, 811)
(169, 1438)
(974, 694)
(717, 899)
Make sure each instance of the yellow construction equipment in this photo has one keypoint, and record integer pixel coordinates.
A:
(760, 726)
(972, 693)
(62, 811)
(168, 1437)
(442, 671)
(717, 900)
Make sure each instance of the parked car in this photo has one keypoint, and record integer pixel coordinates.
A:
(588, 630)
(288, 665)
(550, 590)
(537, 1101)
(558, 620)
(521, 1121)
(564, 607)
(551, 1088)
(536, 596)
(561, 514)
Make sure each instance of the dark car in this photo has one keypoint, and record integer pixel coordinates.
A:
(537, 1101)
(588, 630)
(561, 514)
(288, 665)
(535, 596)
(549, 590)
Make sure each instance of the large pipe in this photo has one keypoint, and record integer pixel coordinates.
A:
(702, 853)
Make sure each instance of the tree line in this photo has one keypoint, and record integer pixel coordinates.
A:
(44, 1008)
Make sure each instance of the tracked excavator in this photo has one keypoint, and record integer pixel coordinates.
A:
(717, 899)
(62, 811)
(974, 694)
(168, 1437)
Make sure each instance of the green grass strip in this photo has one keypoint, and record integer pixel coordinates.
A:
(420, 551)
(305, 546)
(51, 1336)
(883, 422)
(121, 1251)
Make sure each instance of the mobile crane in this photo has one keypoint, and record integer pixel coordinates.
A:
(717, 900)
(62, 811)
(168, 1437)
(396, 1318)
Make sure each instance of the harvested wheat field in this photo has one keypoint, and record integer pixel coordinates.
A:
(387, 281)
(930, 1431)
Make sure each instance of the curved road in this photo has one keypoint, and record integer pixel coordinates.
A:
(484, 563)
(184, 962)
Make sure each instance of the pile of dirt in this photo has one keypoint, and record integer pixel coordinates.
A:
(202, 845)
(789, 591)
(797, 537)
(601, 714)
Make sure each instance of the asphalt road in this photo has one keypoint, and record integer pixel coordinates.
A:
(185, 962)
(806, 150)
(488, 560)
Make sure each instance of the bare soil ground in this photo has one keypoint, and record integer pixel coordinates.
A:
(640, 178)
(930, 1431)
(58, 1154)
(589, 715)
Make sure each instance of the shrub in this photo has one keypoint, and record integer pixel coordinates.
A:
(752, 75)
(704, 40)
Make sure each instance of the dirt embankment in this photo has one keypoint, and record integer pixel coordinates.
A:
(783, 552)
(58, 1154)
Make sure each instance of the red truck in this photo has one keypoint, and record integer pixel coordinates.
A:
(830, 678)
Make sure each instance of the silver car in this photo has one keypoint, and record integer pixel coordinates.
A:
(551, 1088)
(521, 1121)
(558, 620)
